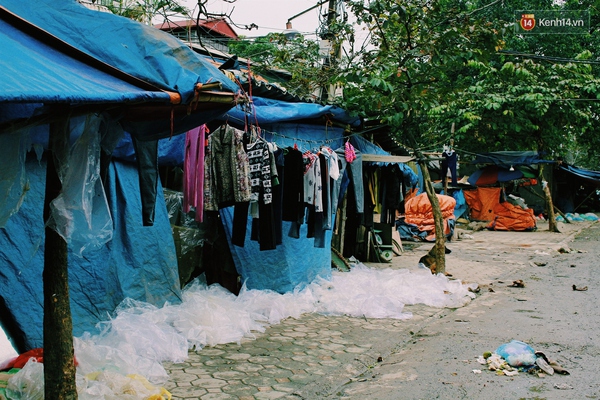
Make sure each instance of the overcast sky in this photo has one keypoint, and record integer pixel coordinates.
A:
(269, 15)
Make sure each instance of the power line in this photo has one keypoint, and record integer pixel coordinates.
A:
(548, 58)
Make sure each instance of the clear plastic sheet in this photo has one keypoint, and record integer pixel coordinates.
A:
(28, 384)
(140, 336)
(211, 315)
(174, 202)
(80, 213)
(187, 235)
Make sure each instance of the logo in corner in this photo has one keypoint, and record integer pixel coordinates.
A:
(527, 22)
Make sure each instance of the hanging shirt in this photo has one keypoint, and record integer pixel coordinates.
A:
(293, 178)
(313, 189)
(226, 168)
(193, 171)
(259, 160)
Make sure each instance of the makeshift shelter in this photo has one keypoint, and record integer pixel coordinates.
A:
(499, 183)
(576, 189)
(109, 75)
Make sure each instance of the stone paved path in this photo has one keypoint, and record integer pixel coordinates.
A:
(314, 356)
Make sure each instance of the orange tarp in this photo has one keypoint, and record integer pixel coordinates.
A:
(418, 211)
(484, 205)
(482, 202)
(512, 218)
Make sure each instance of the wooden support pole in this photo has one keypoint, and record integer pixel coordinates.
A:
(59, 366)
(440, 239)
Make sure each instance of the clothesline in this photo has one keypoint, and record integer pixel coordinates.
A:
(315, 141)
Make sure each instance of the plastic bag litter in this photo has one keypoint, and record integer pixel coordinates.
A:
(517, 353)
(574, 217)
(28, 383)
(111, 385)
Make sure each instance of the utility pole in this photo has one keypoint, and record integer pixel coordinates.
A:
(327, 92)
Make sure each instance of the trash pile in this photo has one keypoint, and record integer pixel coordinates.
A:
(511, 358)
(576, 217)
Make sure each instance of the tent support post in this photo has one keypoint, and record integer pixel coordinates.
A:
(552, 227)
(59, 366)
(440, 239)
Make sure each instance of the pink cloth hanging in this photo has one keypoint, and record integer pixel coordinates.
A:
(193, 171)
(349, 152)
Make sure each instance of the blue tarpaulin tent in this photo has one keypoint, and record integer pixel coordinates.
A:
(115, 75)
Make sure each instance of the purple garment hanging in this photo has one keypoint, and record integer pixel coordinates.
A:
(193, 171)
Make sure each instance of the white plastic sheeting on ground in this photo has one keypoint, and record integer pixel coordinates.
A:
(140, 336)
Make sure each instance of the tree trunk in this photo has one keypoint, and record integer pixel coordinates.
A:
(59, 367)
(440, 239)
(552, 227)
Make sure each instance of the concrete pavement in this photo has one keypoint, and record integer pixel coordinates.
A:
(316, 356)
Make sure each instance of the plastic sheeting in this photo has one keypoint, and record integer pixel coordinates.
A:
(420, 213)
(80, 212)
(139, 262)
(482, 202)
(13, 181)
(509, 217)
(141, 336)
(460, 209)
(493, 174)
(157, 59)
(587, 175)
(269, 111)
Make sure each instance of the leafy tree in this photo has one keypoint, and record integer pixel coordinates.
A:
(418, 53)
(298, 56)
(537, 93)
(145, 10)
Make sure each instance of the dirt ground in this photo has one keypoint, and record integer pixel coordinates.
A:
(440, 362)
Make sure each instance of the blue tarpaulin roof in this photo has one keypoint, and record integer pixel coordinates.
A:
(127, 49)
(37, 72)
(270, 111)
(507, 159)
(137, 49)
(588, 175)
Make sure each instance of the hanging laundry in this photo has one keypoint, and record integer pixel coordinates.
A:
(450, 162)
(293, 193)
(349, 152)
(259, 158)
(193, 172)
(226, 169)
